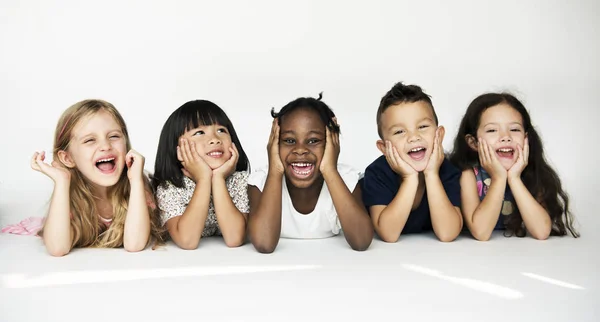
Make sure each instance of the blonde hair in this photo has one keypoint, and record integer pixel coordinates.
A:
(86, 227)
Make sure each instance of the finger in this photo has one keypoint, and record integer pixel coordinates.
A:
(234, 153)
(187, 153)
(33, 158)
(484, 153)
(195, 154)
(526, 151)
(328, 137)
(179, 154)
(186, 173)
(129, 159)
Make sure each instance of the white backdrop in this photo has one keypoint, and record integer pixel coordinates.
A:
(150, 57)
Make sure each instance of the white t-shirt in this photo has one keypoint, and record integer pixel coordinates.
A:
(322, 222)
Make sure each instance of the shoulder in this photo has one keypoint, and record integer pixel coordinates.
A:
(448, 170)
(258, 177)
(380, 165)
(349, 174)
(168, 188)
(238, 178)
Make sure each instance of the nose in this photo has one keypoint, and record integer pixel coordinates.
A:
(214, 140)
(414, 137)
(300, 149)
(105, 145)
(505, 137)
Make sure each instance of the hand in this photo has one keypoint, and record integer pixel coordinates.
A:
(332, 150)
(55, 171)
(395, 161)
(437, 155)
(275, 164)
(522, 160)
(227, 168)
(135, 165)
(489, 161)
(193, 165)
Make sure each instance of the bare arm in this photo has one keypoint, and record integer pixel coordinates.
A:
(264, 221)
(231, 221)
(445, 217)
(137, 221)
(355, 222)
(481, 217)
(535, 217)
(58, 236)
(389, 220)
(186, 230)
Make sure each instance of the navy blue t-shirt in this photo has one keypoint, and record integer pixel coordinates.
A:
(380, 185)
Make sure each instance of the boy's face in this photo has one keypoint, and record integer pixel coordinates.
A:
(410, 127)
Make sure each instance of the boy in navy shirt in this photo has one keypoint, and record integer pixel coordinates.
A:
(412, 187)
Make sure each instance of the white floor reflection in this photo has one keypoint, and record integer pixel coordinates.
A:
(90, 277)
(482, 286)
(553, 281)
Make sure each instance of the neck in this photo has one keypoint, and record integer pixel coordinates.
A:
(305, 194)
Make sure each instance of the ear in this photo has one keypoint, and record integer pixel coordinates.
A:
(381, 146)
(472, 142)
(441, 132)
(66, 159)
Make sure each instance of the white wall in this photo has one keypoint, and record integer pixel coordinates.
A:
(150, 57)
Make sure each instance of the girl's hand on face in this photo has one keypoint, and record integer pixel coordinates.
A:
(489, 161)
(332, 150)
(398, 164)
(55, 171)
(135, 165)
(193, 165)
(227, 168)
(275, 164)
(437, 155)
(522, 160)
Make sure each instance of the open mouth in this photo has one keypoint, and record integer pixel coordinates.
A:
(302, 170)
(417, 154)
(215, 154)
(505, 152)
(106, 165)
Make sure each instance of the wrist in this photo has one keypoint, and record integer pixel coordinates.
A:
(513, 179)
(329, 173)
(431, 174)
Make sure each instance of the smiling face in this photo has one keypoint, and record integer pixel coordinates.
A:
(501, 126)
(212, 143)
(97, 149)
(410, 127)
(301, 146)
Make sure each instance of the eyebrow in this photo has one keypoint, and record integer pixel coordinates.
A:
(511, 123)
(309, 132)
(419, 121)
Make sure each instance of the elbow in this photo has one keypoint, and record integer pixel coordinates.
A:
(389, 238)
(264, 247)
(481, 235)
(235, 242)
(57, 252)
(188, 244)
(446, 238)
(362, 246)
(134, 248)
(541, 235)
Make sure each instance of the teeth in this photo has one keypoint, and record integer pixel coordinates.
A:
(416, 149)
(216, 153)
(105, 160)
(505, 150)
(300, 164)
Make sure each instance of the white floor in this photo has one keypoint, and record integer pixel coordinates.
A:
(507, 279)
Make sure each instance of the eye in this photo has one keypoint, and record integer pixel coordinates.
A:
(222, 130)
(289, 141)
(515, 130)
(399, 132)
(313, 141)
(200, 132)
(88, 141)
(424, 126)
(115, 136)
(490, 130)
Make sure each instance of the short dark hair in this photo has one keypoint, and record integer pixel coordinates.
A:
(189, 116)
(401, 93)
(315, 104)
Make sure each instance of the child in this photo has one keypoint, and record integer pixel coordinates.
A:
(201, 176)
(504, 171)
(305, 193)
(412, 187)
(101, 197)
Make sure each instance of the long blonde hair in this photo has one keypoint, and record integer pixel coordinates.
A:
(86, 227)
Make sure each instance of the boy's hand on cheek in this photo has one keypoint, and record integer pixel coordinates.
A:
(396, 162)
(332, 152)
(192, 162)
(437, 153)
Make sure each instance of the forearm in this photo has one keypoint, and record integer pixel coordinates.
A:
(355, 222)
(391, 221)
(446, 220)
(231, 221)
(535, 217)
(57, 234)
(264, 224)
(190, 225)
(137, 221)
(483, 220)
